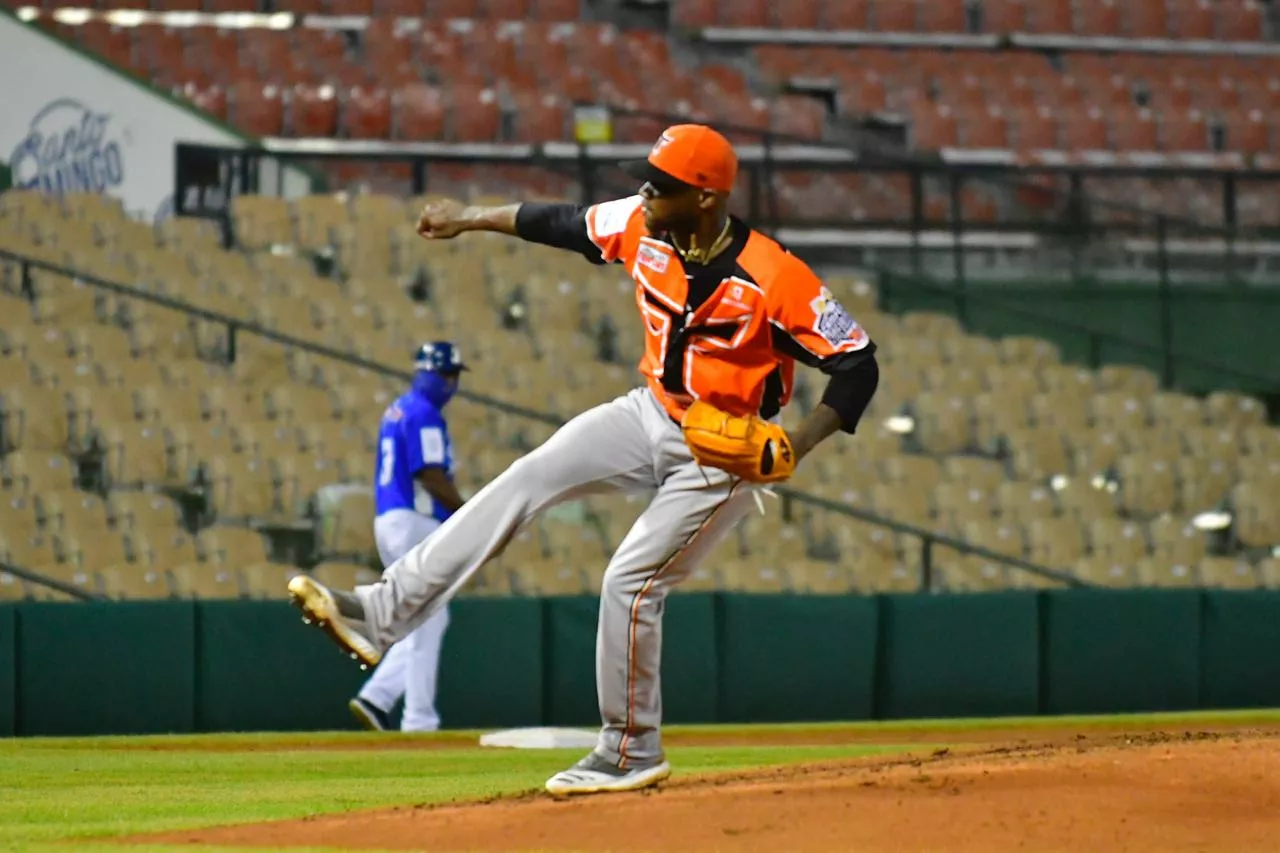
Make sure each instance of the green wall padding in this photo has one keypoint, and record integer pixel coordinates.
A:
(1124, 650)
(8, 669)
(122, 668)
(796, 658)
(689, 664)
(958, 655)
(491, 664)
(261, 669)
(569, 655)
(1240, 651)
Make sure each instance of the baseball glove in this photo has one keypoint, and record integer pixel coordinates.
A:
(746, 447)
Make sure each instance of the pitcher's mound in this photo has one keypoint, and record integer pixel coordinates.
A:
(1149, 793)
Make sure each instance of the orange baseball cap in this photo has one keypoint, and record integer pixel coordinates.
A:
(691, 154)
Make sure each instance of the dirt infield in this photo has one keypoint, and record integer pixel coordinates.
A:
(1148, 792)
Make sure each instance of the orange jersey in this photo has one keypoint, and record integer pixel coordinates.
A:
(736, 346)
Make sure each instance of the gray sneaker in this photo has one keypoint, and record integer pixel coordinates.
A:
(594, 775)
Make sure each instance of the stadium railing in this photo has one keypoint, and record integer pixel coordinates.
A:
(929, 538)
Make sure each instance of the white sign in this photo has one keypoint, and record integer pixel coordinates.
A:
(72, 124)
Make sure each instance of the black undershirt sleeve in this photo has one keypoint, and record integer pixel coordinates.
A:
(562, 226)
(851, 387)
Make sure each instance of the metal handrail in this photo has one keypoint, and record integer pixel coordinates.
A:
(52, 583)
(235, 325)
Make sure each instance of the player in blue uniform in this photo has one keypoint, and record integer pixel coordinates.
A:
(414, 495)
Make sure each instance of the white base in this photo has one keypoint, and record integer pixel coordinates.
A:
(541, 738)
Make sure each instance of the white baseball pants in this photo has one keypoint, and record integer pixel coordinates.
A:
(628, 444)
(410, 668)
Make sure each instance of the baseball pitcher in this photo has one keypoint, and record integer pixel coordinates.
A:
(726, 314)
(414, 495)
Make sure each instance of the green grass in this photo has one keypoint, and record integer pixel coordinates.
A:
(55, 790)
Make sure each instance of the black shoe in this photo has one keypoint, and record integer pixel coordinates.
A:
(370, 716)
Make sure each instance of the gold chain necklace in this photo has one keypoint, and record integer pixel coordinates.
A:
(698, 256)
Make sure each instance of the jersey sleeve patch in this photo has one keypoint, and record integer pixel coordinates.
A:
(607, 224)
(431, 441)
(832, 322)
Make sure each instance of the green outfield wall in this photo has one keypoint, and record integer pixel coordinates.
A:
(182, 666)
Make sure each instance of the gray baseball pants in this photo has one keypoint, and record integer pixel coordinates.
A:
(627, 445)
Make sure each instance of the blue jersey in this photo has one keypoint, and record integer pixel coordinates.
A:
(413, 436)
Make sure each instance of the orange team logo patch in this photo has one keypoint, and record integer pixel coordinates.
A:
(831, 320)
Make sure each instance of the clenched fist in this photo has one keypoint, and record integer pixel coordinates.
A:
(443, 219)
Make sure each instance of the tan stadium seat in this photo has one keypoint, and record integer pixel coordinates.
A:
(162, 405)
(1019, 501)
(972, 351)
(260, 221)
(348, 527)
(12, 588)
(1125, 377)
(91, 408)
(234, 546)
(165, 550)
(1227, 573)
(1158, 572)
(1029, 351)
(881, 574)
(298, 477)
(1117, 539)
(914, 471)
(1174, 410)
(1213, 443)
(344, 576)
(943, 422)
(1037, 454)
(1269, 571)
(30, 472)
(1202, 483)
(242, 487)
(268, 581)
(1257, 513)
(34, 418)
(906, 505)
(205, 580)
(1229, 408)
(142, 511)
(1147, 485)
(85, 579)
(265, 439)
(956, 504)
(1078, 383)
(1066, 408)
(555, 578)
(1118, 409)
(95, 549)
(299, 404)
(135, 582)
(755, 578)
(71, 511)
(1101, 571)
(955, 380)
(136, 454)
(317, 221)
(975, 472)
(1054, 542)
(1261, 441)
(1079, 499)
(930, 324)
(18, 516)
(820, 577)
(1096, 450)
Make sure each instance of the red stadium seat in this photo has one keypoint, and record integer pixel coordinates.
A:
(863, 95)
(1193, 19)
(474, 115)
(221, 48)
(1084, 130)
(507, 10)
(1050, 16)
(212, 99)
(693, 14)
(540, 118)
(231, 6)
(895, 16)
(366, 113)
(256, 109)
(1035, 129)
(797, 115)
(418, 113)
(1147, 19)
(943, 16)
(745, 13)
(1099, 18)
(1247, 132)
(349, 7)
(439, 10)
(1185, 131)
(1239, 20)
(846, 14)
(1134, 130)
(113, 44)
(313, 111)
(932, 126)
(801, 15)
(984, 129)
(1004, 16)
(557, 10)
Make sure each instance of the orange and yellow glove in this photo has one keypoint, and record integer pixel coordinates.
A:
(747, 447)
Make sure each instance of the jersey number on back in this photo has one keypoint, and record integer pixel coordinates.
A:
(387, 467)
